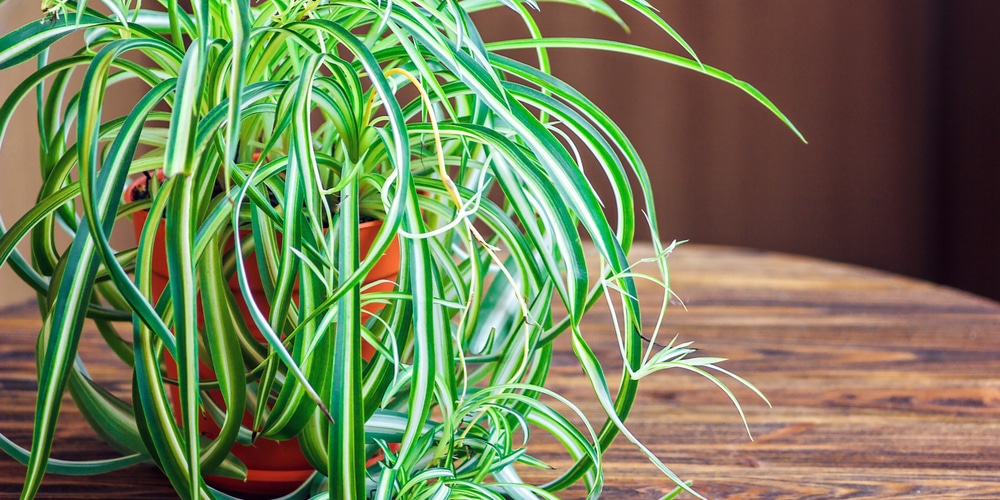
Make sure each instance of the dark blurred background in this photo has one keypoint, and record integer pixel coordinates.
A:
(898, 99)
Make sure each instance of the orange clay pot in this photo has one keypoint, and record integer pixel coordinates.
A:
(274, 468)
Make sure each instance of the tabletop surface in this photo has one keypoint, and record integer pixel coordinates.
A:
(880, 386)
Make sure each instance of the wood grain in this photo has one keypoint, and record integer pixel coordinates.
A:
(881, 387)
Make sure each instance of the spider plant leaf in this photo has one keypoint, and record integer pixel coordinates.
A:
(166, 437)
(72, 468)
(183, 288)
(585, 132)
(273, 340)
(606, 127)
(58, 344)
(117, 163)
(346, 462)
(32, 39)
(553, 422)
(512, 176)
(117, 10)
(111, 417)
(179, 156)
(62, 327)
(10, 238)
(645, 8)
(551, 153)
(226, 357)
(240, 25)
(597, 6)
(311, 340)
(424, 313)
(595, 373)
(656, 55)
(166, 441)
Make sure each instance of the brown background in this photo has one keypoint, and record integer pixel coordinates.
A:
(898, 99)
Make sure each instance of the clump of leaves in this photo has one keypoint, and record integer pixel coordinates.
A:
(312, 114)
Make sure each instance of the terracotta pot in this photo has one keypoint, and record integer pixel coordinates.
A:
(274, 468)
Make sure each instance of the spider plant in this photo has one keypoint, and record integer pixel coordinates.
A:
(278, 128)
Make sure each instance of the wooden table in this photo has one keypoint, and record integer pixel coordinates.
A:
(881, 387)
